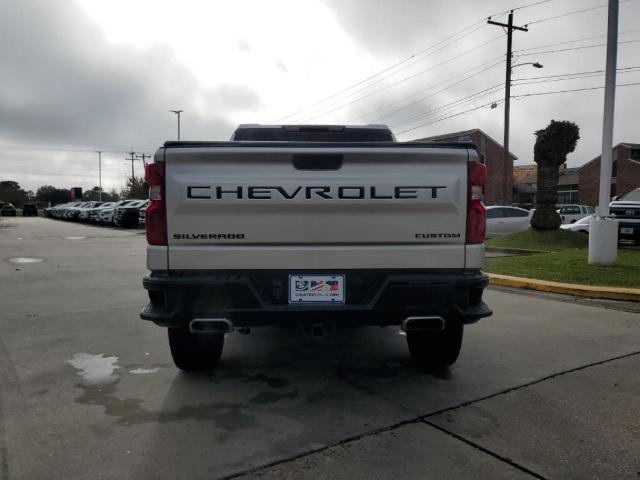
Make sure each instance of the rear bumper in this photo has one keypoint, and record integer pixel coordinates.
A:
(260, 298)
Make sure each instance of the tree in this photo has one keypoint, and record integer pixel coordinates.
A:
(94, 195)
(552, 145)
(49, 194)
(135, 188)
(11, 192)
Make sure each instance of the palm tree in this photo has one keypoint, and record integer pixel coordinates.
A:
(550, 151)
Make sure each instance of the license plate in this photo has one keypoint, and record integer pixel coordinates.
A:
(626, 231)
(316, 288)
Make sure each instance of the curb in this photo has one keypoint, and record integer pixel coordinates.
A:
(588, 291)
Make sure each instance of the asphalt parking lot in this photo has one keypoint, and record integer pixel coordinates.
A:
(547, 388)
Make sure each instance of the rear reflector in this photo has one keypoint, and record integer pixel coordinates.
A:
(476, 213)
(156, 214)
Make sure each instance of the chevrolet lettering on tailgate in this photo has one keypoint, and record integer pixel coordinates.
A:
(324, 192)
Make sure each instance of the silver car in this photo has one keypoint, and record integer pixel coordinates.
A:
(502, 220)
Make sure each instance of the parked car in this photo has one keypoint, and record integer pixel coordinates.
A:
(581, 225)
(73, 212)
(504, 219)
(58, 210)
(94, 213)
(142, 213)
(107, 214)
(29, 209)
(8, 210)
(127, 215)
(573, 213)
(627, 212)
(84, 212)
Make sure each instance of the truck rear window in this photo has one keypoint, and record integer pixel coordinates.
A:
(339, 134)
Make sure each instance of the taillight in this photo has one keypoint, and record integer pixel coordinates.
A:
(156, 215)
(476, 213)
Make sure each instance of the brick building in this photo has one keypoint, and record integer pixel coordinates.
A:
(525, 186)
(492, 154)
(625, 174)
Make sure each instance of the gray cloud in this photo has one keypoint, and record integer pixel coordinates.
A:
(63, 83)
(396, 30)
(389, 28)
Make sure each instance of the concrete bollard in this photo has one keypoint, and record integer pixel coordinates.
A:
(603, 241)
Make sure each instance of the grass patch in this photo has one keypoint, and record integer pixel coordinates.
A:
(541, 240)
(570, 266)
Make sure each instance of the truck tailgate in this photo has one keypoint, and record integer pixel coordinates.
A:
(390, 201)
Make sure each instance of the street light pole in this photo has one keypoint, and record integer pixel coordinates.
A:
(99, 174)
(603, 230)
(178, 112)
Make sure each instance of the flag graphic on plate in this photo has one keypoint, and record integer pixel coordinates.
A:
(317, 288)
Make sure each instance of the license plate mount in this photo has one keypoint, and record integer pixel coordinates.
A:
(311, 288)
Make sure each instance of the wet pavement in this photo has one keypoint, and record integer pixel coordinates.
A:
(545, 388)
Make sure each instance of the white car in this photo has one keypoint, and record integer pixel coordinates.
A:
(581, 225)
(573, 213)
(107, 214)
(502, 220)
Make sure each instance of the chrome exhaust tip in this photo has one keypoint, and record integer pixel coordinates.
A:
(414, 324)
(210, 325)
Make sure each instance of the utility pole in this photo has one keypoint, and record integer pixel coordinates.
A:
(178, 112)
(99, 174)
(132, 153)
(143, 157)
(508, 172)
(603, 230)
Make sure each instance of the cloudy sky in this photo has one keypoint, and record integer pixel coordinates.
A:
(83, 75)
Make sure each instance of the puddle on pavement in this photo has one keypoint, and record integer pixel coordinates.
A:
(23, 260)
(95, 369)
(228, 417)
(75, 238)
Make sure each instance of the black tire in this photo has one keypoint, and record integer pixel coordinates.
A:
(195, 352)
(436, 349)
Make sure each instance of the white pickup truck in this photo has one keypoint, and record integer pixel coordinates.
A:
(317, 227)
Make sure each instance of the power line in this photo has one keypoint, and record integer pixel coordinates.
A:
(403, 79)
(574, 73)
(575, 48)
(574, 12)
(60, 149)
(391, 67)
(497, 102)
(517, 97)
(564, 78)
(431, 88)
(572, 41)
(473, 26)
(520, 7)
(481, 93)
(435, 93)
(380, 80)
(550, 92)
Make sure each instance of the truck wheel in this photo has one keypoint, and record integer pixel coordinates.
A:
(195, 352)
(436, 349)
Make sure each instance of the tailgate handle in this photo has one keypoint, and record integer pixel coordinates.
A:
(317, 161)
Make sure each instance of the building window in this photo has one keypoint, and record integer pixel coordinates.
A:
(635, 154)
(567, 194)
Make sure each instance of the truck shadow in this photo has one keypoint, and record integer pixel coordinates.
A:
(277, 394)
